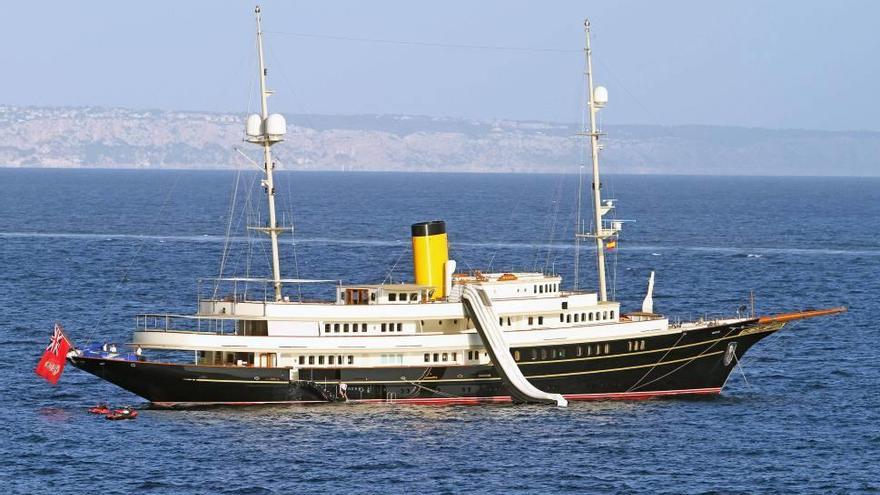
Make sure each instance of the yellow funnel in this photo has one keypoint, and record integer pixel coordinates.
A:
(430, 254)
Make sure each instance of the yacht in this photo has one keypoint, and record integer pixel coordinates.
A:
(448, 337)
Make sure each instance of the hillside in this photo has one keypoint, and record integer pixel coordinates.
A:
(122, 138)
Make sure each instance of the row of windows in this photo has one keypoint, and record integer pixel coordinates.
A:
(579, 317)
(345, 327)
(440, 357)
(635, 345)
(360, 327)
(560, 353)
(548, 288)
(326, 360)
(390, 327)
(502, 320)
(394, 297)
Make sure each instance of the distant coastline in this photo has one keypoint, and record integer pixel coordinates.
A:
(116, 138)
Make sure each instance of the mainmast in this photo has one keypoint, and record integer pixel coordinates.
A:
(598, 98)
(266, 130)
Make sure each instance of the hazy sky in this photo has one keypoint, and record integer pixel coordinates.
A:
(794, 64)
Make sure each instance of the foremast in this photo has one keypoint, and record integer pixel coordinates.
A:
(266, 130)
(597, 98)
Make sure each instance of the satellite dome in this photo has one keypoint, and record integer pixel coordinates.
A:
(254, 127)
(600, 96)
(276, 125)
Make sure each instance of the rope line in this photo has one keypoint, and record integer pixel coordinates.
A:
(426, 43)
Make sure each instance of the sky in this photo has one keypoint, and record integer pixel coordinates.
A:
(783, 64)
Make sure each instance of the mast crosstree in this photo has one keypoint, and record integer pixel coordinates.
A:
(265, 130)
(597, 98)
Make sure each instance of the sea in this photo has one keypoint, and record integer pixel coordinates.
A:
(92, 248)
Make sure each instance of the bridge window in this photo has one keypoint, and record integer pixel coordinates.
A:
(568, 318)
(531, 320)
(561, 318)
(427, 358)
(540, 320)
(331, 359)
(336, 327)
(302, 360)
(414, 296)
(345, 328)
(311, 359)
(326, 328)
(445, 356)
(392, 297)
(576, 317)
(400, 327)
(350, 359)
(612, 315)
(320, 359)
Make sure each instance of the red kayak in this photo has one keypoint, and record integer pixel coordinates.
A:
(124, 413)
(100, 409)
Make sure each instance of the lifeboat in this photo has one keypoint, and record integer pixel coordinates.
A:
(123, 413)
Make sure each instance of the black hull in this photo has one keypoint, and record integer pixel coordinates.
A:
(687, 363)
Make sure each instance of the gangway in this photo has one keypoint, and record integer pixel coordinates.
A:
(479, 306)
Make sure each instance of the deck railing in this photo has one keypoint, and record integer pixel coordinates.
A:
(184, 323)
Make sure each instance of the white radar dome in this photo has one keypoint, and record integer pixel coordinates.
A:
(600, 96)
(254, 127)
(276, 125)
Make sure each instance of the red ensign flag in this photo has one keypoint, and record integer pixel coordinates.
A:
(51, 365)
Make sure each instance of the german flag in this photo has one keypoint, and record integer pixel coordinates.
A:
(610, 245)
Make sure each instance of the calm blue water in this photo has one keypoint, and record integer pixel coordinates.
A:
(802, 417)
